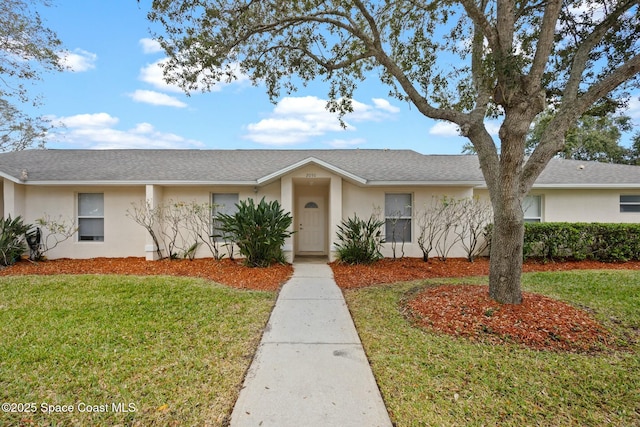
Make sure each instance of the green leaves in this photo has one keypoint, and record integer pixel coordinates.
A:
(12, 239)
(359, 241)
(596, 241)
(259, 231)
(593, 138)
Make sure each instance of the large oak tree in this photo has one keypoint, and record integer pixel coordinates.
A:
(460, 61)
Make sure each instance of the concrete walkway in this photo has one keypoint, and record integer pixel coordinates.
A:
(310, 368)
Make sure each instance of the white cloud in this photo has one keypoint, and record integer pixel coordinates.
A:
(97, 120)
(156, 98)
(152, 74)
(493, 128)
(297, 119)
(150, 46)
(445, 129)
(448, 129)
(633, 109)
(385, 105)
(79, 60)
(98, 131)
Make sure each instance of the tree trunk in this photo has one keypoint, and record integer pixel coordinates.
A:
(505, 268)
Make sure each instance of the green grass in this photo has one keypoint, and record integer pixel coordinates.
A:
(166, 349)
(433, 380)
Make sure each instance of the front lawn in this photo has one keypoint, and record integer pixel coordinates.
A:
(124, 350)
(429, 378)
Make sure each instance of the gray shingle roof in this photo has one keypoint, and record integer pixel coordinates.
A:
(575, 172)
(249, 166)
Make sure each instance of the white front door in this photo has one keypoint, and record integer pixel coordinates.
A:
(311, 224)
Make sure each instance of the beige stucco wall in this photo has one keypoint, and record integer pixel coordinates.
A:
(363, 201)
(13, 199)
(122, 236)
(585, 206)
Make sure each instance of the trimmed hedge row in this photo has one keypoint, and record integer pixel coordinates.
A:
(593, 241)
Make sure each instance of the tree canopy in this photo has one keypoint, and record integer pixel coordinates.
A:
(27, 49)
(459, 61)
(592, 138)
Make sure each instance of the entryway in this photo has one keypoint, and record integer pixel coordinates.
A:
(311, 219)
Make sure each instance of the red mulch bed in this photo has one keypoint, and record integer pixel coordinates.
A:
(539, 322)
(227, 272)
(406, 269)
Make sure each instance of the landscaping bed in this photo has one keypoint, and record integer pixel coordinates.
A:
(227, 272)
(405, 269)
(539, 322)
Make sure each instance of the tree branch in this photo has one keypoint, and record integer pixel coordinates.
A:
(478, 17)
(545, 43)
(552, 140)
(585, 47)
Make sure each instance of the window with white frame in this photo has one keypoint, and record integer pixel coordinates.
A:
(91, 217)
(224, 203)
(629, 203)
(532, 208)
(397, 215)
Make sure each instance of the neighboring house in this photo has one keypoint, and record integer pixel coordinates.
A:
(319, 187)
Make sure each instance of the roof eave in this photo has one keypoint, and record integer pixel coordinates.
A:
(587, 186)
(112, 183)
(11, 178)
(425, 183)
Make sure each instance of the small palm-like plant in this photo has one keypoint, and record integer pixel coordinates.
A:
(12, 239)
(359, 241)
(259, 231)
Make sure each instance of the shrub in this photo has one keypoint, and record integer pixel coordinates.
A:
(50, 232)
(594, 241)
(259, 231)
(12, 239)
(359, 241)
(448, 221)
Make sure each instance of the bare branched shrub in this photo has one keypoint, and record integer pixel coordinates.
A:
(444, 223)
(181, 240)
(449, 221)
(200, 223)
(475, 215)
(428, 225)
(179, 228)
(148, 217)
(50, 233)
(399, 226)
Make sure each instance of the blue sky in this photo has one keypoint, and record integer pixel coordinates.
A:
(113, 96)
